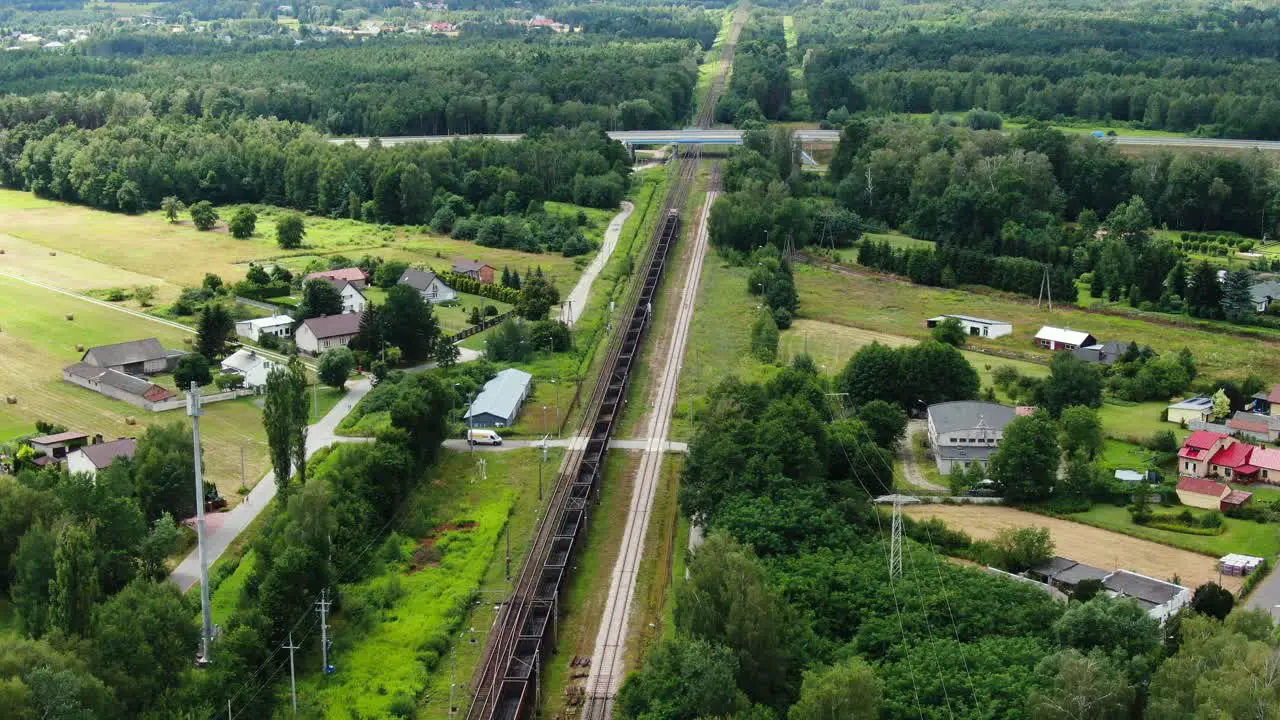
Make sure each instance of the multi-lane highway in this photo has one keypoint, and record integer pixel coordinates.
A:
(805, 137)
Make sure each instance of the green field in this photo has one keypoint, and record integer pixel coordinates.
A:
(1139, 421)
(147, 244)
(1241, 536)
(888, 305)
(36, 342)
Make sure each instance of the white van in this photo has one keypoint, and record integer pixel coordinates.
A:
(484, 437)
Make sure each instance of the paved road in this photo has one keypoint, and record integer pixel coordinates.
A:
(1266, 597)
(607, 665)
(734, 137)
(222, 528)
(577, 300)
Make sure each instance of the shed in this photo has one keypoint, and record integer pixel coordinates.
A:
(498, 404)
(976, 326)
(58, 445)
(1053, 338)
(1202, 493)
(474, 269)
(1236, 499)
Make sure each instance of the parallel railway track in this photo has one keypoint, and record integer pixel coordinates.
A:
(507, 682)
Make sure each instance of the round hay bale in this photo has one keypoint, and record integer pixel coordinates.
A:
(11, 399)
(186, 341)
(130, 420)
(70, 316)
(52, 253)
(1, 251)
(79, 347)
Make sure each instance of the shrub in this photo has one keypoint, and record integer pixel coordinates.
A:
(203, 216)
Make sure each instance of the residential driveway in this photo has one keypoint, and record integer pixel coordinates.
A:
(577, 299)
(222, 528)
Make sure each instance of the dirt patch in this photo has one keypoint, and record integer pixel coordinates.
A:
(426, 554)
(1084, 543)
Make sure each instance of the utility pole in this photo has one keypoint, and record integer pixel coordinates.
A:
(293, 679)
(242, 467)
(542, 462)
(508, 534)
(194, 410)
(895, 541)
(556, 386)
(322, 605)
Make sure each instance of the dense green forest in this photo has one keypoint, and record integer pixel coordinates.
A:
(386, 88)
(1199, 67)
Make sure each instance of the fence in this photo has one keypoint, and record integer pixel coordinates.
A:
(485, 325)
(181, 402)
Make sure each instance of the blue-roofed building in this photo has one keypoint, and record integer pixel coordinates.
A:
(498, 404)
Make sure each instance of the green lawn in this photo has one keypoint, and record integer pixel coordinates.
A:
(1241, 536)
(1119, 455)
(1137, 422)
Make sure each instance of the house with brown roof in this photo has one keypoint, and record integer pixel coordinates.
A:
(99, 456)
(319, 334)
(474, 269)
(353, 275)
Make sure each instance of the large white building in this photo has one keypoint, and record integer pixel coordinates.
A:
(965, 432)
(975, 326)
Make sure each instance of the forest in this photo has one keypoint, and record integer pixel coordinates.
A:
(391, 87)
(1199, 67)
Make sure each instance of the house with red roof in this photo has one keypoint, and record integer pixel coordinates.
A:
(1267, 460)
(1232, 463)
(1199, 449)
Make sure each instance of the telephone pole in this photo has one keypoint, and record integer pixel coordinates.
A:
(293, 679)
(322, 606)
(194, 410)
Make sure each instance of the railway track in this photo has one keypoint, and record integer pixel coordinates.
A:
(507, 682)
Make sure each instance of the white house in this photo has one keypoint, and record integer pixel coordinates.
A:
(965, 432)
(250, 365)
(353, 301)
(280, 326)
(975, 326)
(319, 334)
(432, 288)
(92, 458)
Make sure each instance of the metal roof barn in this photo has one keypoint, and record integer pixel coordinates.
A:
(498, 403)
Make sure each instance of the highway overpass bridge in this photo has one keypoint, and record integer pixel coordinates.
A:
(804, 137)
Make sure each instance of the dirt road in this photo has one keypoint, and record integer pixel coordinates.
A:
(1083, 543)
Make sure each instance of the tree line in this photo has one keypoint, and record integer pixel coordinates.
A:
(134, 166)
(1199, 69)
(391, 87)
